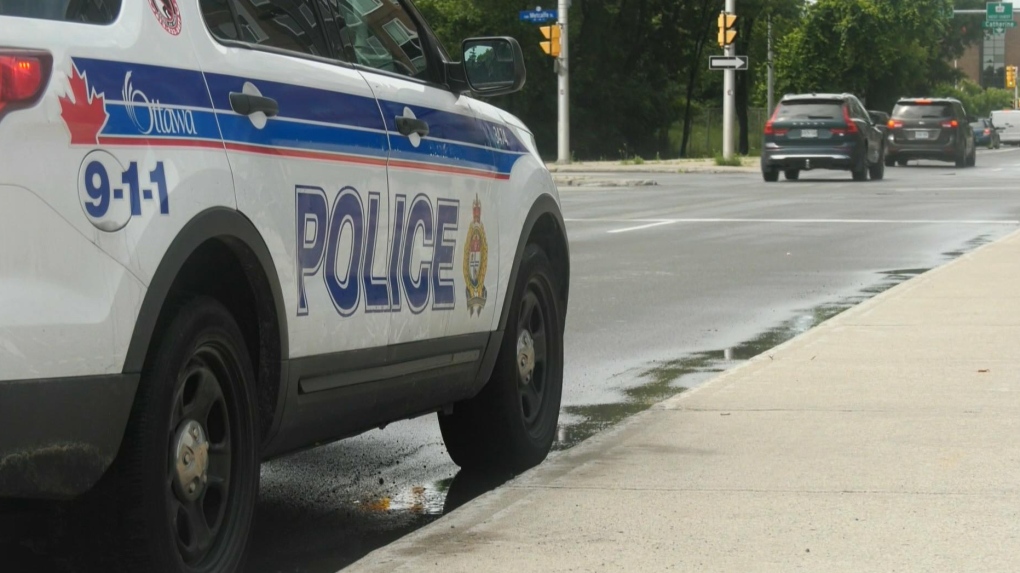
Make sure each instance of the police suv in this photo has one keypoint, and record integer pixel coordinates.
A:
(233, 229)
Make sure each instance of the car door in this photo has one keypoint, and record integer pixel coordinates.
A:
(440, 169)
(871, 131)
(307, 147)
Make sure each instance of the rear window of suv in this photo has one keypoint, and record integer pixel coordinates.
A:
(809, 109)
(922, 110)
(84, 11)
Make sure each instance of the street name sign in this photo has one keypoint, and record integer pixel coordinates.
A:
(727, 62)
(998, 24)
(538, 16)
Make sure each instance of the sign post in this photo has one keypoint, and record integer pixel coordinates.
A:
(729, 85)
(556, 46)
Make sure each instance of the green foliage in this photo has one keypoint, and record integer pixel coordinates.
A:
(975, 99)
(734, 161)
(879, 50)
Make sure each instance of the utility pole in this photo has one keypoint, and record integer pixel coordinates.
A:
(771, 71)
(729, 77)
(563, 83)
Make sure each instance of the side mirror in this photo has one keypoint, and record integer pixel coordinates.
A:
(878, 117)
(493, 66)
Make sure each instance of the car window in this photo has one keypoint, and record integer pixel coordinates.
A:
(286, 24)
(922, 110)
(219, 19)
(84, 11)
(376, 34)
(809, 109)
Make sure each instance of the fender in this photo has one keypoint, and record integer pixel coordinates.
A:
(217, 222)
(544, 205)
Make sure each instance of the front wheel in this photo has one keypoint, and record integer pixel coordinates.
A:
(792, 174)
(770, 175)
(511, 424)
(188, 470)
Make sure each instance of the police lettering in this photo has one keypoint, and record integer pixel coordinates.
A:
(342, 242)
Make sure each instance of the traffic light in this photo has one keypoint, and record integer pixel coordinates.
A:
(1010, 77)
(727, 31)
(552, 34)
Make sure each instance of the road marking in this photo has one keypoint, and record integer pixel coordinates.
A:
(645, 226)
(649, 223)
(988, 188)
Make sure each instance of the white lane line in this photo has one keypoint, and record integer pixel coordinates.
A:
(645, 226)
(964, 189)
(657, 222)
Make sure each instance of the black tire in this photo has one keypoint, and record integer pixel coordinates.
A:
(511, 424)
(877, 171)
(891, 161)
(792, 174)
(972, 158)
(199, 376)
(770, 175)
(961, 158)
(901, 162)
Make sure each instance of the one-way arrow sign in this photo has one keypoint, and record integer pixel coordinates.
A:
(727, 62)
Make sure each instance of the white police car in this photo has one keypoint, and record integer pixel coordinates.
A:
(232, 229)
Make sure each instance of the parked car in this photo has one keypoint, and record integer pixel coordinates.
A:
(235, 229)
(985, 133)
(930, 128)
(1007, 123)
(822, 131)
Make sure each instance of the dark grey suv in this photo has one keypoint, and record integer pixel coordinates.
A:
(822, 131)
(931, 128)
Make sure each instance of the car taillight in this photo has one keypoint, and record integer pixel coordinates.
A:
(851, 127)
(988, 132)
(951, 124)
(23, 75)
(770, 130)
(893, 124)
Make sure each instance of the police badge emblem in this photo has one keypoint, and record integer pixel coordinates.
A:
(476, 255)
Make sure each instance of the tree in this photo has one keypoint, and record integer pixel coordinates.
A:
(879, 50)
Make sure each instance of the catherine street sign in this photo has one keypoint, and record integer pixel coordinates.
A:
(999, 16)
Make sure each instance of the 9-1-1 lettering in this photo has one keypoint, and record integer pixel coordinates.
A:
(101, 192)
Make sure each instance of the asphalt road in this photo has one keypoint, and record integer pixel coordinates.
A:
(671, 283)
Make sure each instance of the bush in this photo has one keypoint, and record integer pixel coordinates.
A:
(734, 161)
(975, 99)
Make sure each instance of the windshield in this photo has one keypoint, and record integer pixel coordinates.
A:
(809, 109)
(922, 111)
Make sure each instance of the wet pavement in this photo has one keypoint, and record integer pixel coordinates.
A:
(671, 283)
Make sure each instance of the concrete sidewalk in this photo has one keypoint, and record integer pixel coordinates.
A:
(886, 439)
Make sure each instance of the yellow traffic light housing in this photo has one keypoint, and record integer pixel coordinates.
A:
(552, 34)
(727, 31)
(1011, 76)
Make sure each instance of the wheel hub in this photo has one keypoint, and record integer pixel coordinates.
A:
(525, 356)
(191, 457)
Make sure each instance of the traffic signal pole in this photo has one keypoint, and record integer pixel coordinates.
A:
(729, 83)
(563, 84)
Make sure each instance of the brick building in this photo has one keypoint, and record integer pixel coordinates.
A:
(984, 62)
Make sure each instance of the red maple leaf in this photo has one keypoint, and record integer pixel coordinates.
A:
(84, 113)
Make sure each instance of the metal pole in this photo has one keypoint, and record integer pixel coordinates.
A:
(563, 82)
(728, 84)
(772, 77)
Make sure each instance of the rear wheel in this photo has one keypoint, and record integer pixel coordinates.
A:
(792, 174)
(510, 425)
(961, 158)
(188, 470)
(901, 162)
(770, 175)
(860, 171)
(877, 171)
(890, 161)
(972, 158)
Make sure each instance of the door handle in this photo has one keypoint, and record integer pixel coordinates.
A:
(246, 104)
(409, 125)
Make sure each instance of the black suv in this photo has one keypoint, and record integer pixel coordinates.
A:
(930, 128)
(822, 131)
